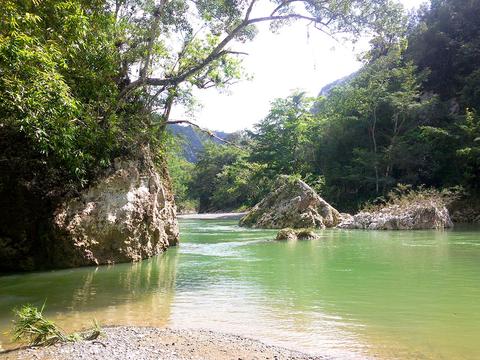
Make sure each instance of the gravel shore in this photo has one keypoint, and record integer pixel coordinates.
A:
(154, 343)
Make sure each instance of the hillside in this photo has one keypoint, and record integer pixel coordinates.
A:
(193, 140)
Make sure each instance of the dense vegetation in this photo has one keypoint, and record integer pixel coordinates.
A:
(409, 116)
(83, 82)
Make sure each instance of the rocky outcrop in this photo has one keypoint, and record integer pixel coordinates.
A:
(48, 221)
(465, 210)
(128, 215)
(296, 234)
(293, 204)
(417, 215)
(286, 234)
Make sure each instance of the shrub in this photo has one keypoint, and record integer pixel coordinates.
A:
(403, 196)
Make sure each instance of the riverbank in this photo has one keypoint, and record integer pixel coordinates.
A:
(126, 342)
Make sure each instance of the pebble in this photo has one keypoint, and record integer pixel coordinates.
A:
(168, 344)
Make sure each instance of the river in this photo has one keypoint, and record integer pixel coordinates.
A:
(350, 294)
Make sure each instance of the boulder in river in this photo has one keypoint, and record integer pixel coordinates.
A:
(286, 234)
(128, 215)
(293, 204)
(296, 234)
(414, 216)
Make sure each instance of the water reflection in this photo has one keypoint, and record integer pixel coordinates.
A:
(120, 294)
(347, 294)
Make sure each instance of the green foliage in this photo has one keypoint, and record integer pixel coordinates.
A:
(84, 81)
(238, 184)
(33, 328)
(57, 68)
(469, 150)
(409, 116)
(445, 40)
(181, 172)
(281, 140)
(223, 179)
(64, 66)
(363, 136)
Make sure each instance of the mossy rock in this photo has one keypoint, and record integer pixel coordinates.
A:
(306, 234)
(286, 234)
(296, 234)
(293, 204)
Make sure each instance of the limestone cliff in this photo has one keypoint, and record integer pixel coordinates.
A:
(127, 214)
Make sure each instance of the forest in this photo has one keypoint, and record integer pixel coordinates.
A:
(409, 116)
(86, 82)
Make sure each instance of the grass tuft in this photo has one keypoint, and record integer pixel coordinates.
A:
(33, 328)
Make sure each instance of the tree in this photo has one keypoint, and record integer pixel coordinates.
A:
(469, 150)
(211, 163)
(445, 40)
(56, 67)
(280, 141)
(181, 172)
(365, 126)
(202, 57)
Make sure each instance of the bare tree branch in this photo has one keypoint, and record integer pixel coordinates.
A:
(235, 52)
(249, 10)
(285, 17)
(219, 51)
(157, 15)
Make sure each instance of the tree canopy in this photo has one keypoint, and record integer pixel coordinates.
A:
(84, 81)
(410, 115)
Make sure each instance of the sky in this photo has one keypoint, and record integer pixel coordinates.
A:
(279, 64)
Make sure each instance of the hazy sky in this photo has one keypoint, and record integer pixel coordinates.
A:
(279, 64)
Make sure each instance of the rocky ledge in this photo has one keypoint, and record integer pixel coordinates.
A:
(144, 343)
(413, 216)
(127, 215)
(293, 204)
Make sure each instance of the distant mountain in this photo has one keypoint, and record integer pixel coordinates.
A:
(325, 91)
(193, 140)
(339, 82)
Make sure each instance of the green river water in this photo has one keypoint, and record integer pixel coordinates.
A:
(350, 294)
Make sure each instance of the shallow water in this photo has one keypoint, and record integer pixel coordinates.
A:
(350, 294)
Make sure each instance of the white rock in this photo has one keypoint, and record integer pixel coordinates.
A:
(128, 215)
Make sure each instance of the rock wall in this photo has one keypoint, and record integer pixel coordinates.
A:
(466, 210)
(128, 215)
(293, 204)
